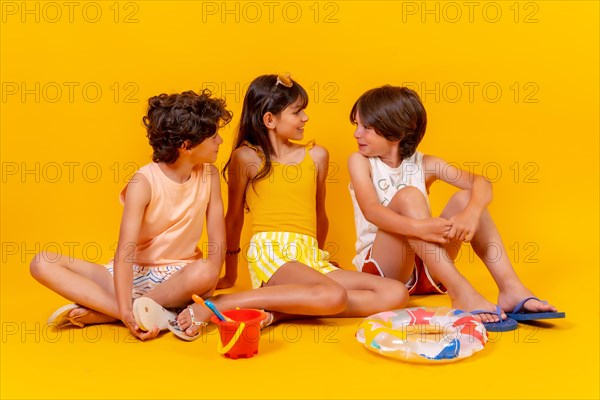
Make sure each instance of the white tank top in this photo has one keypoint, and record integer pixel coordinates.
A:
(387, 181)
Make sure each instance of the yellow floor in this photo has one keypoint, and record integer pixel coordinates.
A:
(318, 358)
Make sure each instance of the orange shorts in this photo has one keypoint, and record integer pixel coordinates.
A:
(420, 282)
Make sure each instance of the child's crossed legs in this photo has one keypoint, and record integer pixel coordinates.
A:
(92, 285)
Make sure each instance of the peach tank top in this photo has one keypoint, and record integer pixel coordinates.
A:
(173, 220)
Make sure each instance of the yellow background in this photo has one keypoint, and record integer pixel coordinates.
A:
(511, 90)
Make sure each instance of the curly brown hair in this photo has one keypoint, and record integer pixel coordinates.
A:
(173, 119)
(394, 112)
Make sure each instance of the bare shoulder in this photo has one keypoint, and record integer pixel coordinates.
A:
(357, 160)
(428, 158)
(138, 182)
(137, 191)
(359, 167)
(319, 153)
(433, 163)
(434, 167)
(245, 155)
(211, 169)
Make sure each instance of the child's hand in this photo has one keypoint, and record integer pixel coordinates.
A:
(434, 230)
(129, 321)
(464, 225)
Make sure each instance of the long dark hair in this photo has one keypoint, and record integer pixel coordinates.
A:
(265, 94)
(396, 113)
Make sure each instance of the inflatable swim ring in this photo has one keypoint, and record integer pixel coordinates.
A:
(423, 334)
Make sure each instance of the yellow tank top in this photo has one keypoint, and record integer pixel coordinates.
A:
(286, 200)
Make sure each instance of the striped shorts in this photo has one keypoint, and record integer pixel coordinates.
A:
(269, 251)
(147, 278)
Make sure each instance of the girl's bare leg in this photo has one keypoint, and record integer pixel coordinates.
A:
(369, 294)
(294, 289)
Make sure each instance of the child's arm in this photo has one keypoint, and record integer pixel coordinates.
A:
(136, 198)
(238, 176)
(320, 156)
(429, 229)
(464, 224)
(215, 222)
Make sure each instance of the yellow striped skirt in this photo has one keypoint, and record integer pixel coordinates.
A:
(269, 251)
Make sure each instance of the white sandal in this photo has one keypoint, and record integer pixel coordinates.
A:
(177, 331)
(148, 313)
(269, 319)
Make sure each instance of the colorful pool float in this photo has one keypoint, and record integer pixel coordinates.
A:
(423, 334)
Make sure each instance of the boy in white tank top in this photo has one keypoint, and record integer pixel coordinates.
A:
(395, 230)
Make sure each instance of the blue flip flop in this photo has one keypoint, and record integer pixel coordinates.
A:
(520, 314)
(506, 325)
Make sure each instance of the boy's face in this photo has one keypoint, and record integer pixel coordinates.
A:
(207, 150)
(370, 144)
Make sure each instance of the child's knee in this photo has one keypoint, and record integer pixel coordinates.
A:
(400, 297)
(408, 199)
(394, 295)
(460, 198)
(38, 265)
(333, 298)
(203, 275)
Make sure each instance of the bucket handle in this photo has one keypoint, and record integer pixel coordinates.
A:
(224, 349)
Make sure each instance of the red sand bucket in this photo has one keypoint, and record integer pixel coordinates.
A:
(240, 337)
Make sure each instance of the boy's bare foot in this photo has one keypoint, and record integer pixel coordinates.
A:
(475, 301)
(508, 300)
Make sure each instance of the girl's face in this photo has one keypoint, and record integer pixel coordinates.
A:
(370, 144)
(289, 123)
